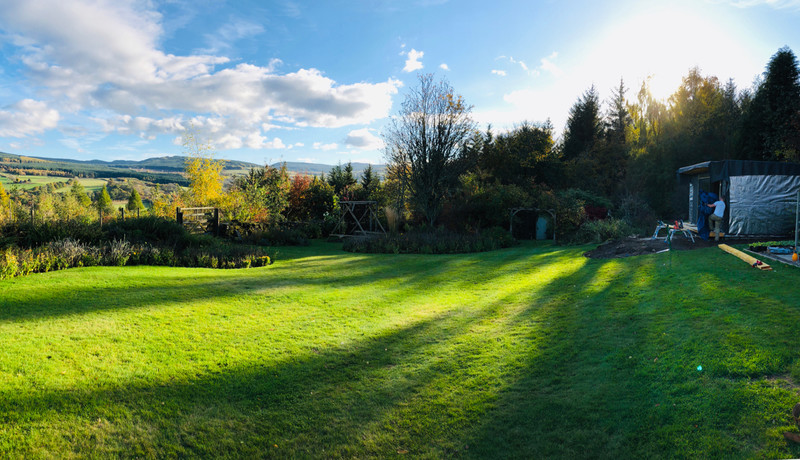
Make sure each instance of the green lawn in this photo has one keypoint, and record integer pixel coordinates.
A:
(529, 352)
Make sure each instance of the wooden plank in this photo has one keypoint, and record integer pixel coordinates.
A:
(693, 229)
(752, 261)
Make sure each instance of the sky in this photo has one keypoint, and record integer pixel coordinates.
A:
(318, 81)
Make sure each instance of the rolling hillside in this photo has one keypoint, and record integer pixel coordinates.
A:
(167, 169)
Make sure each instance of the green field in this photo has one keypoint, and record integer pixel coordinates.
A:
(35, 181)
(529, 352)
(91, 185)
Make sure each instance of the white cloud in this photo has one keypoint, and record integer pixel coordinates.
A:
(501, 73)
(307, 160)
(148, 92)
(27, 117)
(521, 64)
(413, 63)
(325, 147)
(364, 140)
(549, 66)
(444, 66)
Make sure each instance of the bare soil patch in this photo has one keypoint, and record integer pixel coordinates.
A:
(629, 247)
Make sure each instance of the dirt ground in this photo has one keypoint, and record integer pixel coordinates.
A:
(637, 246)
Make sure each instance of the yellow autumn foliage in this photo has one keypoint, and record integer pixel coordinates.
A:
(202, 170)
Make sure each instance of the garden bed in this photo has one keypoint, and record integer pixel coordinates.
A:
(628, 247)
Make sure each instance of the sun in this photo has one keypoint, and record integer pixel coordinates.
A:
(660, 43)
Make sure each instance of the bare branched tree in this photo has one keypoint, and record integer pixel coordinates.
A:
(426, 144)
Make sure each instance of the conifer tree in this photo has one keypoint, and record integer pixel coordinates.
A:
(103, 203)
(134, 201)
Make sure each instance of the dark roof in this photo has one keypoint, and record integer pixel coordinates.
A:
(718, 170)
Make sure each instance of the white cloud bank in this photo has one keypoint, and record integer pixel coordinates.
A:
(107, 66)
(27, 117)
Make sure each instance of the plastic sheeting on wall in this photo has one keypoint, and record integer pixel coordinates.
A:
(762, 205)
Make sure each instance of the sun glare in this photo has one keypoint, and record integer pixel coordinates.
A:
(662, 43)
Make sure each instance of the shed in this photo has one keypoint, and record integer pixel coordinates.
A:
(761, 196)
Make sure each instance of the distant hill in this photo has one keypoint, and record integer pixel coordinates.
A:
(315, 169)
(24, 165)
(169, 163)
(166, 169)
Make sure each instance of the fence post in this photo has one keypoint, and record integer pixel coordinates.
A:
(32, 221)
(179, 215)
(216, 221)
(122, 212)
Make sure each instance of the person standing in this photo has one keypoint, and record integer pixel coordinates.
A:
(716, 217)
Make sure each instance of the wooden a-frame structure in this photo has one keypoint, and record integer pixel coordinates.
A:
(362, 214)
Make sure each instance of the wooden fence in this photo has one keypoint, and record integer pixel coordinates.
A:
(199, 220)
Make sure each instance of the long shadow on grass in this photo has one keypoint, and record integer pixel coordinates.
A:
(187, 286)
(614, 378)
(328, 403)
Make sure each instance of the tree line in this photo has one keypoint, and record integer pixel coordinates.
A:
(621, 153)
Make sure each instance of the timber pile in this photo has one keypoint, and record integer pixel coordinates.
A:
(745, 257)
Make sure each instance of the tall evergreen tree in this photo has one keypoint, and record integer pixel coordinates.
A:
(619, 118)
(731, 120)
(370, 181)
(584, 126)
(772, 124)
(341, 177)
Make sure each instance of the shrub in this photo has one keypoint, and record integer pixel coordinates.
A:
(598, 231)
(8, 264)
(69, 250)
(226, 256)
(150, 229)
(34, 234)
(637, 212)
(285, 234)
(59, 255)
(117, 253)
(432, 242)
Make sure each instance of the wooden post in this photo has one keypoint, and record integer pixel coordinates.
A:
(101, 216)
(179, 215)
(122, 212)
(32, 206)
(137, 213)
(216, 221)
(796, 220)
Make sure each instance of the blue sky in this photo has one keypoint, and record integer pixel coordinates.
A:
(317, 81)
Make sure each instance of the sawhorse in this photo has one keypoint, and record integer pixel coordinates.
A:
(673, 229)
